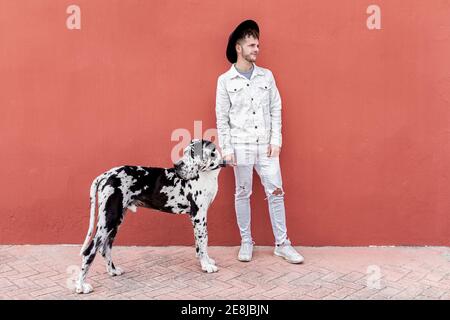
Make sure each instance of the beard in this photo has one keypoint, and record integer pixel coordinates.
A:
(250, 58)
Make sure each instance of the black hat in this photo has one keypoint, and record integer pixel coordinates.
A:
(235, 35)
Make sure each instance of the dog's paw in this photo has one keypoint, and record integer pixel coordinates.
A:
(211, 261)
(83, 288)
(115, 272)
(210, 268)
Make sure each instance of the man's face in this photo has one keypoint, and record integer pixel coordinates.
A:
(248, 48)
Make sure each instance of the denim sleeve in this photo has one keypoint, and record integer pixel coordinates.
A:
(275, 113)
(223, 105)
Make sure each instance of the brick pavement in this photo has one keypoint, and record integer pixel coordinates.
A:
(46, 272)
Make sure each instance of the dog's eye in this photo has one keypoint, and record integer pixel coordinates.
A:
(213, 154)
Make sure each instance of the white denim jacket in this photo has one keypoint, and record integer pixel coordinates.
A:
(247, 111)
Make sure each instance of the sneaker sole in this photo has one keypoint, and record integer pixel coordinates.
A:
(290, 261)
(244, 260)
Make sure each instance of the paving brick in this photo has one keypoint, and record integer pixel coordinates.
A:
(274, 292)
(343, 293)
(389, 292)
(353, 276)
(394, 275)
(4, 282)
(408, 293)
(332, 276)
(435, 276)
(45, 291)
(321, 293)
(364, 294)
(41, 272)
(434, 292)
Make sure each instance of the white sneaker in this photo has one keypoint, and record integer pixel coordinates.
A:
(288, 252)
(245, 252)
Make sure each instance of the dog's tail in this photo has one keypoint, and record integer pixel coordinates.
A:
(93, 197)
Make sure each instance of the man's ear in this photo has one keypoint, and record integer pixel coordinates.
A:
(238, 48)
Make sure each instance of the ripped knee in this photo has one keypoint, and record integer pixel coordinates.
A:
(278, 192)
(243, 191)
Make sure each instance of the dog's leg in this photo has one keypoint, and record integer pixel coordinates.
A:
(97, 243)
(113, 218)
(88, 257)
(201, 241)
(106, 253)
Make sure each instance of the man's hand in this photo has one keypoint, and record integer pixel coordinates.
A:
(229, 159)
(273, 150)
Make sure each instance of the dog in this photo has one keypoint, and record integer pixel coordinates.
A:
(188, 188)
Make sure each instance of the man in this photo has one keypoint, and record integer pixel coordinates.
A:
(248, 111)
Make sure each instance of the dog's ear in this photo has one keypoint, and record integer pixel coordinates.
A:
(177, 166)
(186, 170)
(189, 171)
(193, 173)
(196, 149)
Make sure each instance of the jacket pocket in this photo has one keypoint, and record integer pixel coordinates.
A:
(264, 94)
(235, 92)
(263, 85)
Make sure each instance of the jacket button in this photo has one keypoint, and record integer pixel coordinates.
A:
(265, 87)
(252, 99)
(257, 140)
(256, 127)
(254, 112)
(248, 85)
(234, 89)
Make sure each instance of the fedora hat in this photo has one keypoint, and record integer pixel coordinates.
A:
(235, 35)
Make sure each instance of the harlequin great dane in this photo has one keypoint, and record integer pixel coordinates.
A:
(189, 187)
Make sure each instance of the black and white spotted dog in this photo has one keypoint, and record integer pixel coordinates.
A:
(189, 187)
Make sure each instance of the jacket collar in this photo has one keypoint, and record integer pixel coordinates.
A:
(256, 71)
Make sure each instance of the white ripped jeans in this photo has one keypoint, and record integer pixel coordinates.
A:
(249, 156)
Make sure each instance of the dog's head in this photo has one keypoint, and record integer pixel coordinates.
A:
(199, 155)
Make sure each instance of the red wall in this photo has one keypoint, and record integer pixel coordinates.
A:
(366, 155)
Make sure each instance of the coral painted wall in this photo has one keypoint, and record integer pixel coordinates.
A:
(366, 94)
